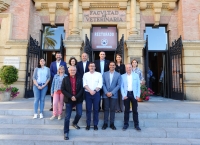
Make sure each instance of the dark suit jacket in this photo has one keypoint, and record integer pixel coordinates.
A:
(67, 89)
(80, 70)
(53, 68)
(98, 66)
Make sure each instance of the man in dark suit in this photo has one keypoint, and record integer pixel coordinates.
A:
(54, 68)
(82, 66)
(102, 65)
(72, 89)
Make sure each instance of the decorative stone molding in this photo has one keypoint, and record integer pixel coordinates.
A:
(87, 4)
(157, 6)
(52, 6)
(4, 4)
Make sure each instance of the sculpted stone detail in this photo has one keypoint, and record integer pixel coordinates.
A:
(158, 6)
(111, 4)
(4, 4)
(52, 7)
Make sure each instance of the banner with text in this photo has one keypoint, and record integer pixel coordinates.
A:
(104, 38)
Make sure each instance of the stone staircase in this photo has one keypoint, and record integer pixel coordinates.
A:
(18, 127)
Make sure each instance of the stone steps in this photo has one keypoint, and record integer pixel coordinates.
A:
(160, 128)
(58, 140)
(175, 123)
(142, 115)
(53, 130)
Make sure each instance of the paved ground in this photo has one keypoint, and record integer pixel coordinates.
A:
(155, 104)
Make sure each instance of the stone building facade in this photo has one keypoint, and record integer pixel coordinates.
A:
(21, 18)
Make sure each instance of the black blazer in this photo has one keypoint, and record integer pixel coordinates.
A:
(79, 67)
(98, 66)
(67, 89)
(120, 69)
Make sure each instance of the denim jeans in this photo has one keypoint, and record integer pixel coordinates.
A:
(92, 101)
(39, 96)
(68, 112)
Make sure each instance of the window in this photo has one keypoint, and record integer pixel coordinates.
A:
(157, 38)
(51, 38)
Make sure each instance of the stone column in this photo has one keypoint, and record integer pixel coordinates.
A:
(75, 24)
(74, 43)
(133, 19)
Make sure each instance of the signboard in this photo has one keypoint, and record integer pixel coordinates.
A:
(104, 38)
(104, 16)
(14, 61)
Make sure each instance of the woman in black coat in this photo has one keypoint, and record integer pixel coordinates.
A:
(120, 68)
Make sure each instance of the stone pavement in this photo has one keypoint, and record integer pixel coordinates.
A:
(163, 121)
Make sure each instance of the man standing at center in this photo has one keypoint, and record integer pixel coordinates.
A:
(92, 82)
(111, 85)
(102, 65)
(130, 90)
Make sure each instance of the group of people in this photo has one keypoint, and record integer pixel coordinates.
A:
(116, 83)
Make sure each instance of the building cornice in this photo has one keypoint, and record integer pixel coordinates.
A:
(88, 4)
(4, 4)
(157, 6)
(52, 6)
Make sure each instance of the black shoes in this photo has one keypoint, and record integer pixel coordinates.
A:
(125, 127)
(137, 128)
(105, 125)
(66, 136)
(87, 127)
(95, 127)
(76, 126)
(112, 126)
(51, 109)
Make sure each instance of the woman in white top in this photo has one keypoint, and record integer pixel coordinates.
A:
(41, 78)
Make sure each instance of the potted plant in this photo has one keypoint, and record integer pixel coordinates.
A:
(8, 75)
(145, 93)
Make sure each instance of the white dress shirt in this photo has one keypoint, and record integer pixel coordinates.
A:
(92, 80)
(102, 63)
(129, 82)
(84, 65)
(111, 77)
(58, 64)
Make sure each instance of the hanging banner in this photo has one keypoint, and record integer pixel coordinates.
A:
(104, 38)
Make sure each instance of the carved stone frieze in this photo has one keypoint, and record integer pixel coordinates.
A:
(157, 6)
(120, 4)
(52, 7)
(4, 4)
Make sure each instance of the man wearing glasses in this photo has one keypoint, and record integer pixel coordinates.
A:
(92, 82)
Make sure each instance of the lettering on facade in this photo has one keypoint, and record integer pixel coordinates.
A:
(14, 61)
(104, 16)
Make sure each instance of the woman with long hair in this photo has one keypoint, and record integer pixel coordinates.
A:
(120, 68)
(41, 78)
(57, 94)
